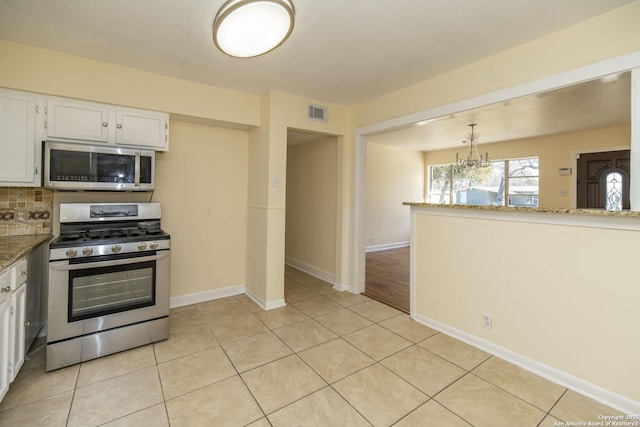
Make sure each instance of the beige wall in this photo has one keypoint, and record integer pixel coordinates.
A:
(394, 175)
(267, 202)
(311, 208)
(206, 167)
(45, 71)
(560, 295)
(554, 152)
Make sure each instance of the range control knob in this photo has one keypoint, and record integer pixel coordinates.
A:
(154, 245)
(87, 251)
(116, 249)
(142, 246)
(71, 253)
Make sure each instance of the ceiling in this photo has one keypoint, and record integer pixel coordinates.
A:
(343, 52)
(599, 103)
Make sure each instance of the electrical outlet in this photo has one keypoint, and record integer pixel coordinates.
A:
(564, 193)
(487, 321)
(208, 210)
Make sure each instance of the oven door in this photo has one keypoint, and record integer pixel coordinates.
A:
(101, 293)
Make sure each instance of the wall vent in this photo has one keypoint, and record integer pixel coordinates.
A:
(318, 113)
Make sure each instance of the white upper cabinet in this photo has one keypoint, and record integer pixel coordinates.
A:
(85, 122)
(19, 151)
(142, 128)
(77, 120)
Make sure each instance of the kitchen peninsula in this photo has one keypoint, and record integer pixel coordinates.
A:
(558, 287)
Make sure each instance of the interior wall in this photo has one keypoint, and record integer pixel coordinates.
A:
(564, 301)
(45, 71)
(311, 206)
(394, 175)
(207, 167)
(554, 151)
(268, 186)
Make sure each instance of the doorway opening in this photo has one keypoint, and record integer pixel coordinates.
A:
(394, 175)
(387, 277)
(312, 204)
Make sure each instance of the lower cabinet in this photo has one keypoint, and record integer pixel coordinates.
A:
(5, 345)
(13, 307)
(18, 319)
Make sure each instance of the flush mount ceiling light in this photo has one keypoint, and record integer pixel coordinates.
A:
(248, 28)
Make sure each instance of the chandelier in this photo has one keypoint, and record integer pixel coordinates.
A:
(473, 160)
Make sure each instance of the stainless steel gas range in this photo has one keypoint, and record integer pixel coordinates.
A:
(108, 281)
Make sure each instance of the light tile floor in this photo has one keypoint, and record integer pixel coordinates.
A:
(326, 359)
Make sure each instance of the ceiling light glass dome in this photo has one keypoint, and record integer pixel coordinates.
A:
(248, 28)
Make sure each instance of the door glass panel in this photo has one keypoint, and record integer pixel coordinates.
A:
(614, 192)
(106, 290)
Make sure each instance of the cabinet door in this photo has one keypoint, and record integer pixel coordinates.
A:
(142, 128)
(18, 317)
(17, 138)
(19, 272)
(76, 120)
(5, 344)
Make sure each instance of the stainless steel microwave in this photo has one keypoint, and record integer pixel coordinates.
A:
(90, 167)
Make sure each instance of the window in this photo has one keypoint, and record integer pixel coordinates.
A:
(512, 182)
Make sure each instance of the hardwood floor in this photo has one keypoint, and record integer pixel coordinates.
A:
(387, 277)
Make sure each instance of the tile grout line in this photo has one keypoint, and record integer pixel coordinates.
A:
(238, 374)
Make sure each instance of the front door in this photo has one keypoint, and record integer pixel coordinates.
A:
(603, 180)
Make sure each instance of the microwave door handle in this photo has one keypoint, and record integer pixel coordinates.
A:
(65, 266)
(137, 168)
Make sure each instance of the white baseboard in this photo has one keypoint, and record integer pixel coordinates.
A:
(342, 287)
(223, 293)
(197, 297)
(557, 376)
(386, 246)
(310, 269)
(263, 304)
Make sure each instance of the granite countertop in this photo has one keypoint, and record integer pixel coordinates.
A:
(583, 212)
(12, 248)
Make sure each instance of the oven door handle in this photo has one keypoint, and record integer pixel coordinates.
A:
(65, 266)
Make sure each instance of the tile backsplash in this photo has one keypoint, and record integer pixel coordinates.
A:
(25, 211)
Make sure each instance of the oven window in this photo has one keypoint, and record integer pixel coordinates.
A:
(100, 291)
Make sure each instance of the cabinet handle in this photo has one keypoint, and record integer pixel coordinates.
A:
(25, 272)
(119, 125)
(27, 323)
(6, 289)
(104, 124)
